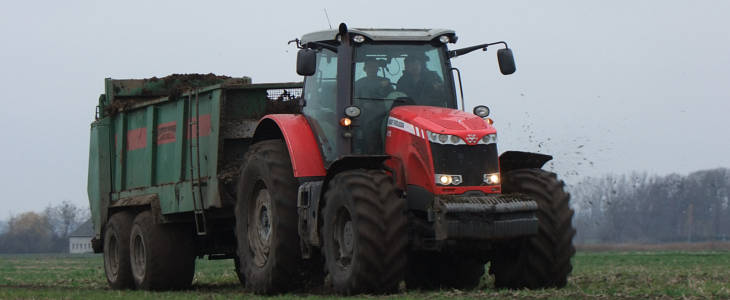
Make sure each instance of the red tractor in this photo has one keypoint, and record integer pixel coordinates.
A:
(383, 178)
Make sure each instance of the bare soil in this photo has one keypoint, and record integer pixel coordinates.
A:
(704, 246)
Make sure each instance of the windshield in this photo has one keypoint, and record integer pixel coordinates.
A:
(387, 75)
(409, 74)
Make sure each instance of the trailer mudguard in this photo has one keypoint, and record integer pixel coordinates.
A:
(512, 160)
(306, 158)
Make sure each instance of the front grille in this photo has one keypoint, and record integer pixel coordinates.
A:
(471, 162)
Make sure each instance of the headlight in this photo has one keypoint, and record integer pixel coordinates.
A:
(489, 139)
(491, 179)
(446, 139)
(358, 39)
(443, 179)
(444, 39)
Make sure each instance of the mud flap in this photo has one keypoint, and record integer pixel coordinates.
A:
(308, 210)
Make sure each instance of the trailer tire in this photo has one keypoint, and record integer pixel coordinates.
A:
(116, 251)
(429, 271)
(162, 255)
(364, 233)
(267, 220)
(542, 260)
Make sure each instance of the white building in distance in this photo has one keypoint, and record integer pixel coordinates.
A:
(80, 240)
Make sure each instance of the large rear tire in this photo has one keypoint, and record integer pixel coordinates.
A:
(267, 220)
(162, 255)
(542, 260)
(239, 271)
(364, 233)
(116, 251)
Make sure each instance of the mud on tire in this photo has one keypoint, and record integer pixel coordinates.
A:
(162, 255)
(364, 233)
(543, 260)
(266, 220)
(116, 251)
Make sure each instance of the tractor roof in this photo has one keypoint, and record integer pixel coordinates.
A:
(380, 34)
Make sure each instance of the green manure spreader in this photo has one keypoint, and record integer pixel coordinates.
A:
(368, 175)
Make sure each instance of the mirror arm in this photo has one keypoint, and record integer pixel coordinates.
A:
(462, 51)
(319, 45)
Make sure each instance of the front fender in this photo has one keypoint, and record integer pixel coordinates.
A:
(513, 160)
(306, 158)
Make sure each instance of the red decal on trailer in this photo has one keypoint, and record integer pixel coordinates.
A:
(136, 139)
(203, 126)
(166, 133)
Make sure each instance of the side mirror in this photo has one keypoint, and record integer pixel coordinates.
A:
(306, 62)
(506, 61)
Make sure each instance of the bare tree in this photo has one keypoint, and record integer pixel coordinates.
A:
(65, 218)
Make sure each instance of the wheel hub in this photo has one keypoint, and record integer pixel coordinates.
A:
(260, 232)
(139, 262)
(113, 253)
(344, 239)
(347, 238)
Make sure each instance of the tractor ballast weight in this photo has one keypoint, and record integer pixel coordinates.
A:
(368, 167)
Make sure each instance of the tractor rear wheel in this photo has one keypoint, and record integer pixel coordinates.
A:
(429, 271)
(267, 221)
(239, 271)
(116, 251)
(542, 260)
(364, 233)
(162, 255)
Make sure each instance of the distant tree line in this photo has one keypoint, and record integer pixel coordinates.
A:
(638, 208)
(44, 232)
(633, 208)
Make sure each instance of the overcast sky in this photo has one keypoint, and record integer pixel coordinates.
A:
(604, 86)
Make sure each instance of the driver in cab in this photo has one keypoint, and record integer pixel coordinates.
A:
(372, 86)
(418, 82)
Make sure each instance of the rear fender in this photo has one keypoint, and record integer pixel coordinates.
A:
(513, 160)
(306, 158)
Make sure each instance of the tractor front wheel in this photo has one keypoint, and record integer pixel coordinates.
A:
(364, 233)
(542, 260)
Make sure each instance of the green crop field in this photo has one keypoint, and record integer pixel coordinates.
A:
(601, 275)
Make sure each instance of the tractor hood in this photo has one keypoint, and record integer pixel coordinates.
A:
(443, 120)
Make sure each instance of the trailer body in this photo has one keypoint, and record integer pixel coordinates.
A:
(175, 144)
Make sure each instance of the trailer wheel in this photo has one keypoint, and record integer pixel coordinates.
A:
(162, 255)
(116, 251)
(429, 271)
(267, 220)
(364, 233)
(542, 260)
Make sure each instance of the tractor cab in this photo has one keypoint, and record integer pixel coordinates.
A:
(355, 80)
(355, 77)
